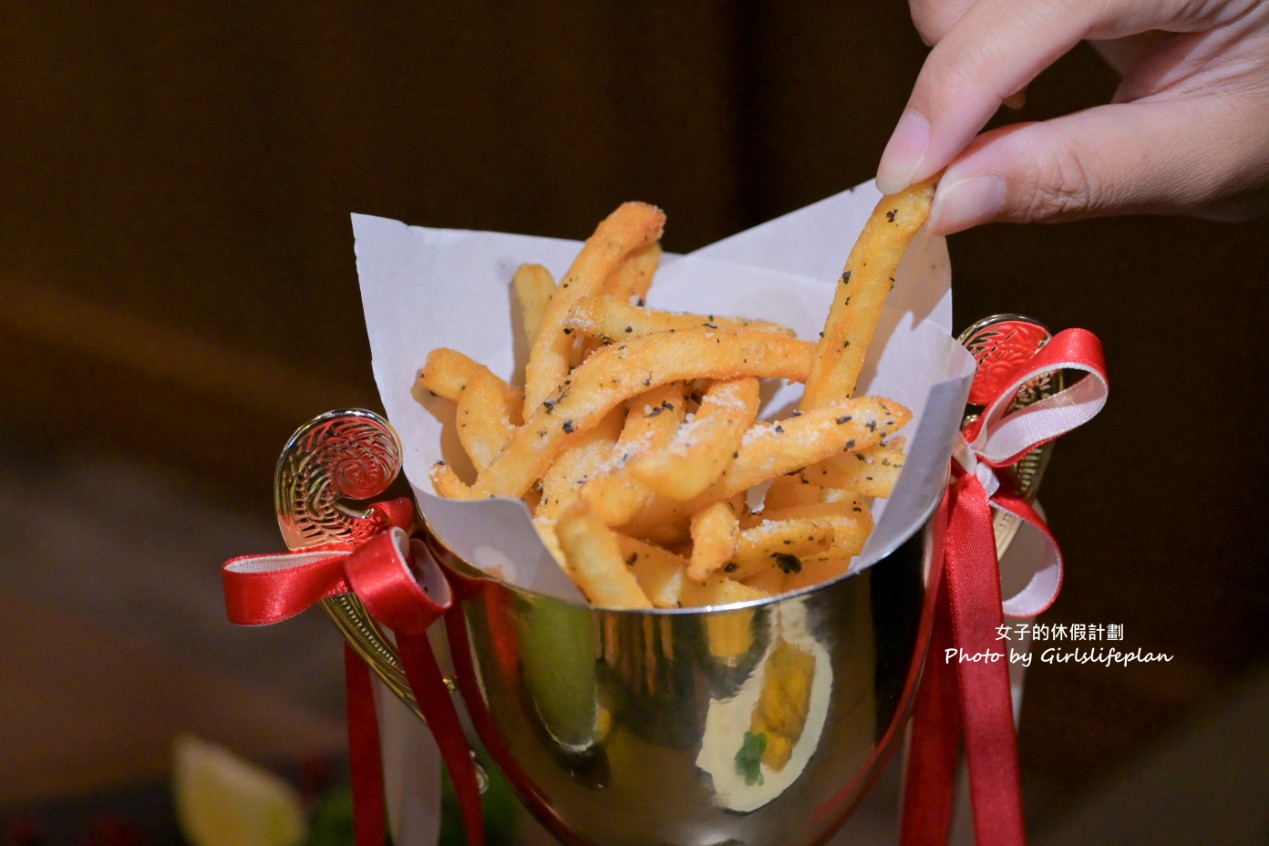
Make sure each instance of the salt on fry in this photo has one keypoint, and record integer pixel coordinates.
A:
(702, 448)
(631, 226)
(861, 291)
(593, 559)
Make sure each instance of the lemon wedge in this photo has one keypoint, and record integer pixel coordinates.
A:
(223, 800)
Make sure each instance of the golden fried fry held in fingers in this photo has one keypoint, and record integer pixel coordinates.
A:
(862, 290)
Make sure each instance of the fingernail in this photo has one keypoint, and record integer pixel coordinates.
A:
(967, 203)
(904, 152)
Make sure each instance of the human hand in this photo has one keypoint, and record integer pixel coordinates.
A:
(1187, 130)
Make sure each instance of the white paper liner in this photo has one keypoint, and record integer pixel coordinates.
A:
(426, 288)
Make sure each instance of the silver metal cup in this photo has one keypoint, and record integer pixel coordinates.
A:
(761, 723)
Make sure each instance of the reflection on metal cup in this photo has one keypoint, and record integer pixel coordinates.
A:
(762, 723)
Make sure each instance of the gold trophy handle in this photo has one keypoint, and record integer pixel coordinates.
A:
(998, 343)
(329, 465)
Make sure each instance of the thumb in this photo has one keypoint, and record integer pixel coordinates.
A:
(1147, 156)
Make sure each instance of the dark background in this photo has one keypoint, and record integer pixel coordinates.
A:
(179, 286)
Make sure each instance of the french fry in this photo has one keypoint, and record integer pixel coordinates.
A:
(659, 572)
(865, 282)
(771, 450)
(445, 373)
(593, 560)
(446, 482)
(816, 572)
(790, 490)
(653, 417)
(631, 226)
(616, 373)
(871, 472)
(769, 580)
(715, 531)
(534, 288)
(610, 318)
(584, 456)
(702, 448)
(849, 519)
(718, 589)
(487, 412)
(633, 277)
(781, 544)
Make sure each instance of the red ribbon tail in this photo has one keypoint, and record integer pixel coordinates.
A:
(991, 747)
(365, 770)
(437, 705)
(934, 743)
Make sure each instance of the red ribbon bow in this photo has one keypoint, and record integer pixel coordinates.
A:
(401, 587)
(970, 697)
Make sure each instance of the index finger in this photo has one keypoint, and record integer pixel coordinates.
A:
(995, 49)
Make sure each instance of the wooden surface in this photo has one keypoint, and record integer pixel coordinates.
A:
(178, 279)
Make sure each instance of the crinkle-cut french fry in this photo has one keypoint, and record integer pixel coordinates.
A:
(771, 450)
(612, 319)
(865, 282)
(584, 456)
(718, 589)
(534, 288)
(633, 277)
(871, 472)
(631, 226)
(594, 561)
(703, 446)
(618, 372)
(652, 419)
(487, 412)
(659, 572)
(715, 532)
(790, 490)
(445, 373)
